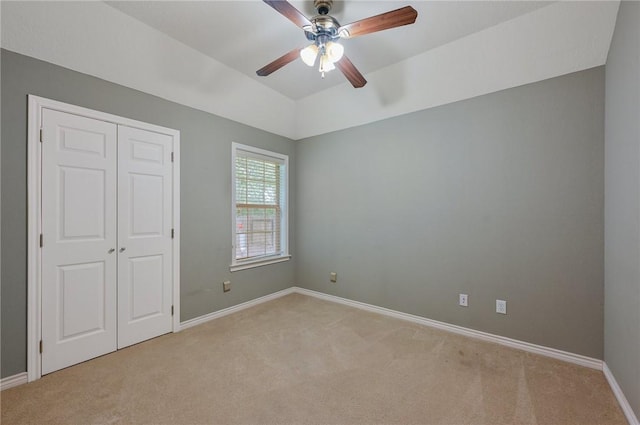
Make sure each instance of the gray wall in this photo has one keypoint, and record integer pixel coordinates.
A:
(205, 192)
(500, 196)
(622, 205)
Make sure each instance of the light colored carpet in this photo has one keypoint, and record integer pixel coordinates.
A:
(300, 360)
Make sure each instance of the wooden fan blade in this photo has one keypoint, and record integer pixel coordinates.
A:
(278, 63)
(288, 11)
(351, 72)
(396, 18)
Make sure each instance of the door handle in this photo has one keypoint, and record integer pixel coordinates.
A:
(122, 249)
(111, 250)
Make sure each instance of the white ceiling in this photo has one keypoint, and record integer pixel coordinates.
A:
(245, 35)
(207, 52)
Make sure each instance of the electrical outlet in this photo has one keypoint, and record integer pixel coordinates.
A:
(333, 277)
(226, 286)
(501, 306)
(463, 300)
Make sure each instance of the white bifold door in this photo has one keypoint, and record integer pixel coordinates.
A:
(106, 237)
(144, 235)
(79, 228)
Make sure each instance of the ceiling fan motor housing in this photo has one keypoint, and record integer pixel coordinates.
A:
(324, 27)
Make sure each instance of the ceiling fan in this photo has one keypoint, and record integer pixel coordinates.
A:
(323, 30)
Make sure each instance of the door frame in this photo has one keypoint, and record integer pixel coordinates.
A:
(34, 216)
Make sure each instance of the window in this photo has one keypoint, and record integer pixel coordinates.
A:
(260, 192)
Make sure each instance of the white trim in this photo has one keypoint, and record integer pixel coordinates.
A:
(176, 228)
(34, 225)
(513, 343)
(252, 264)
(234, 309)
(21, 378)
(259, 153)
(13, 381)
(33, 230)
(284, 218)
(617, 391)
(578, 359)
(98, 115)
(472, 333)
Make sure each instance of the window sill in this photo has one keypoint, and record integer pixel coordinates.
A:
(258, 263)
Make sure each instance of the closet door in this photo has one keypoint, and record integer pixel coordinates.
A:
(78, 239)
(144, 235)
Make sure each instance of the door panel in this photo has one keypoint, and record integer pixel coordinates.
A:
(144, 235)
(81, 288)
(145, 294)
(147, 215)
(82, 204)
(79, 230)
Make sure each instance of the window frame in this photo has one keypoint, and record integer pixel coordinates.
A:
(284, 255)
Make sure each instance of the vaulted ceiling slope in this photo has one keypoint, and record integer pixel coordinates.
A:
(204, 54)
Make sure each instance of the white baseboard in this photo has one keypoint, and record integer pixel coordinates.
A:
(513, 343)
(617, 391)
(233, 309)
(13, 381)
(21, 378)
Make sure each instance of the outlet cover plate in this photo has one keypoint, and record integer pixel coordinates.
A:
(463, 300)
(333, 277)
(501, 306)
(226, 286)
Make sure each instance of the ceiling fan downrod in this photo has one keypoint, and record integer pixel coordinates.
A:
(323, 6)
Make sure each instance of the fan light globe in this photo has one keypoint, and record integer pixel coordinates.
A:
(326, 64)
(335, 51)
(309, 54)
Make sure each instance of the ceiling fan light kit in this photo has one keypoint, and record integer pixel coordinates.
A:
(330, 52)
(324, 31)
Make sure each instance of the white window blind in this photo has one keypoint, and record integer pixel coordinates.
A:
(260, 205)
